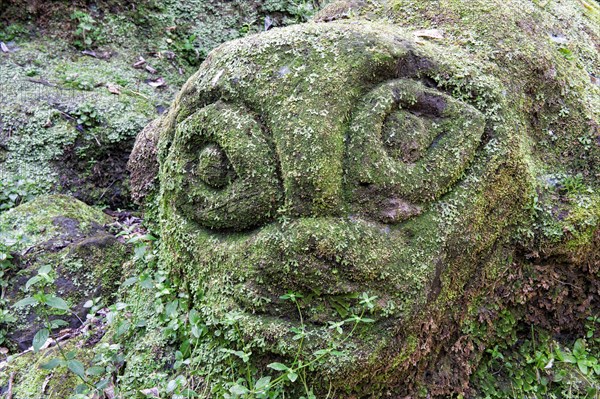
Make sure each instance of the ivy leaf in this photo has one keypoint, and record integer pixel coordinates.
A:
(57, 303)
(40, 339)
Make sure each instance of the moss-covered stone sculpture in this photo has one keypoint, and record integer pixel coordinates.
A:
(402, 150)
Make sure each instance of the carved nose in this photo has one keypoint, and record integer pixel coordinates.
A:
(310, 147)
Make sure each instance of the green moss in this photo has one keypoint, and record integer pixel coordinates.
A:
(30, 381)
(69, 236)
(40, 220)
(46, 79)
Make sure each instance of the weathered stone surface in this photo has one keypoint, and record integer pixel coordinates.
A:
(411, 157)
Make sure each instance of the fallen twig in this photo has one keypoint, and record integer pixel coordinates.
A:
(41, 82)
(11, 380)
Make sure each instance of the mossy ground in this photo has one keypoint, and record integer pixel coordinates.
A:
(72, 238)
(30, 381)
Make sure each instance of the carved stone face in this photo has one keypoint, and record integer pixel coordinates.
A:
(332, 160)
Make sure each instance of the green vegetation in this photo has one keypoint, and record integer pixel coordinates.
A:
(87, 33)
(536, 365)
(6, 264)
(15, 191)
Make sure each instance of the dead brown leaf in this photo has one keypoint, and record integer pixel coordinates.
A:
(429, 33)
(156, 83)
(138, 64)
(113, 88)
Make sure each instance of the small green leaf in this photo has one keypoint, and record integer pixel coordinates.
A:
(568, 54)
(579, 348)
(81, 389)
(40, 339)
(25, 301)
(278, 366)
(95, 370)
(57, 303)
(565, 356)
(239, 390)
(52, 364)
(122, 328)
(56, 323)
(46, 269)
(188, 393)
(172, 308)
(292, 376)
(76, 367)
(194, 316)
(130, 281)
(171, 386)
(32, 281)
(582, 364)
(102, 383)
(263, 383)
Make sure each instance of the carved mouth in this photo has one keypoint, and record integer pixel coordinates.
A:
(329, 271)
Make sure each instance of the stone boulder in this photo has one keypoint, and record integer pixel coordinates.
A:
(346, 198)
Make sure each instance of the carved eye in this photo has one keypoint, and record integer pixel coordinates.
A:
(409, 144)
(221, 172)
(406, 136)
(213, 167)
